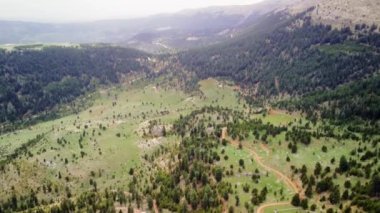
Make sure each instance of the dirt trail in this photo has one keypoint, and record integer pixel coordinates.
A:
(272, 111)
(224, 207)
(224, 133)
(265, 148)
(267, 205)
(155, 208)
(290, 183)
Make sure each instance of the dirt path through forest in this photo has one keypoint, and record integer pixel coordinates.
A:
(265, 148)
(290, 183)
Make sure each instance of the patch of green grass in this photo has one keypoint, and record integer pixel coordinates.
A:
(281, 119)
(283, 208)
(219, 93)
(345, 48)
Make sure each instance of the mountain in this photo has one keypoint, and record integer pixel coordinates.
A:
(341, 13)
(185, 29)
(115, 31)
(290, 55)
(188, 28)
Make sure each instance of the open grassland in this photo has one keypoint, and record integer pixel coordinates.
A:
(102, 143)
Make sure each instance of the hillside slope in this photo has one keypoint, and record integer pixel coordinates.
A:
(32, 81)
(287, 54)
(341, 13)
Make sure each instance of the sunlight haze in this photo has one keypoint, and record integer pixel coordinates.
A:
(90, 10)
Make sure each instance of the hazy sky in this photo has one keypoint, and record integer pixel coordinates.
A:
(87, 10)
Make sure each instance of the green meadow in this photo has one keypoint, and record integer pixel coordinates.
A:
(103, 142)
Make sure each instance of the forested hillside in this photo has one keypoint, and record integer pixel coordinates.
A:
(32, 81)
(356, 99)
(290, 55)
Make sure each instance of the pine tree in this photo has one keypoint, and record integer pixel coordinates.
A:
(218, 174)
(309, 191)
(150, 202)
(318, 169)
(294, 148)
(345, 195)
(296, 200)
(304, 204)
(334, 197)
(130, 209)
(374, 186)
(343, 164)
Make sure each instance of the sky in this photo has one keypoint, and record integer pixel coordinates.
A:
(90, 10)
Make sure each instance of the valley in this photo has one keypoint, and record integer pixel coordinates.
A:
(268, 108)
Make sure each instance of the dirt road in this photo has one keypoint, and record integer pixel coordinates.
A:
(267, 205)
(290, 183)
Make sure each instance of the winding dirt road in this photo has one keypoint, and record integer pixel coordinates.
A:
(290, 183)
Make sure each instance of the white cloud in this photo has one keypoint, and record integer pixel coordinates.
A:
(86, 10)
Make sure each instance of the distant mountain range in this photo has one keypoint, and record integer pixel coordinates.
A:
(185, 29)
(188, 28)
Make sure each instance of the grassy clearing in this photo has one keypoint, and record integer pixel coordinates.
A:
(283, 208)
(345, 48)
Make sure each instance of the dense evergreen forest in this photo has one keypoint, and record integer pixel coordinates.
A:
(32, 81)
(357, 99)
